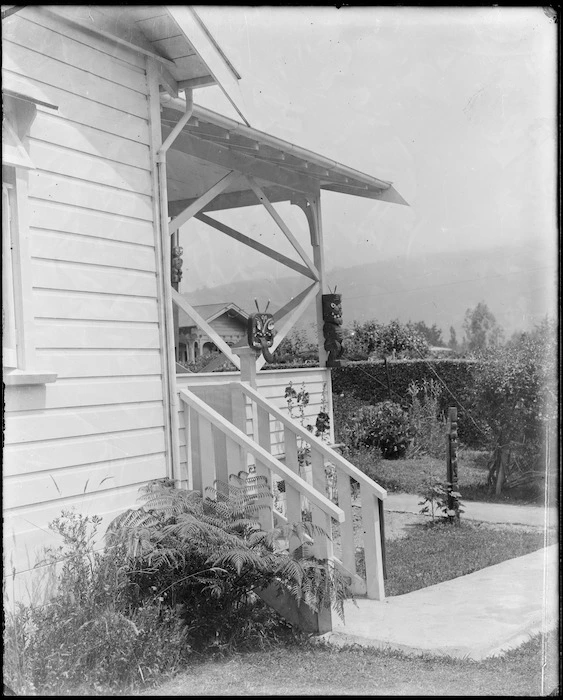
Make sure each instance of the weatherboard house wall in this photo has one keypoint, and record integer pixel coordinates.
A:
(89, 436)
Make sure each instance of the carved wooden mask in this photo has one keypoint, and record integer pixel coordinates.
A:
(261, 333)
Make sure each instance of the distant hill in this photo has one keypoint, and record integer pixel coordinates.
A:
(517, 284)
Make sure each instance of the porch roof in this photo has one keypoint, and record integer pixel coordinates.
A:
(211, 146)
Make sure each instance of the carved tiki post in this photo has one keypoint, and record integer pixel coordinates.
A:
(332, 327)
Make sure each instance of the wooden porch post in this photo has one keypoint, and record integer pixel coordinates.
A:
(311, 206)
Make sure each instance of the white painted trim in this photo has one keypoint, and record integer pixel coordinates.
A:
(18, 377)
(9, 333)
(23, 277)
(164, 300)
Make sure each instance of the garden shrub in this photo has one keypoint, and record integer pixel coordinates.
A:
(386, 427)
(178, 576)
(373, 382)
(88, 633)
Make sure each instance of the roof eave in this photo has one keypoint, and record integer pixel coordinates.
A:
(220, 68)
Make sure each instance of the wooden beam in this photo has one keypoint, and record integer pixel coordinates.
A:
(248, 165)
(200, 202)
(278, 257)
(179, 300)
(233, 200)
(279, 221)
(289, 320)
(167, 80)
(313, 213)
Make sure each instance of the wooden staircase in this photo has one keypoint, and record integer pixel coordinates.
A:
(231, 428)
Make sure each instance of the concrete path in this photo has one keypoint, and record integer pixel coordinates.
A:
(535, 516)
(474, 616)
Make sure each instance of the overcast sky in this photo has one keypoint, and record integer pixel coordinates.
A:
(456, 106)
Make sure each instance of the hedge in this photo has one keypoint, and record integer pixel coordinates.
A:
(372, 382)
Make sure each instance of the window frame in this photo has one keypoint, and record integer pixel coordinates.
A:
(9, 334)
(19, 367)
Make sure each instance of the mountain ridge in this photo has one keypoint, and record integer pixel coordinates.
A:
(518, 284)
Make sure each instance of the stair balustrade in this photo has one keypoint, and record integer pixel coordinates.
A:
(229, 429)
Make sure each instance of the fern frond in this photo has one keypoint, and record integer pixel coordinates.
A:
(239, 558)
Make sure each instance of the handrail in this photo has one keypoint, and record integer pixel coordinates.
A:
(327, 451)
(235, 434)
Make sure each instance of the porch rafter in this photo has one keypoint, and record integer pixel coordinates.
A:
(282, 225)
(232, 200)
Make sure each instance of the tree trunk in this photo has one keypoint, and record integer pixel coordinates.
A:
(504, 455)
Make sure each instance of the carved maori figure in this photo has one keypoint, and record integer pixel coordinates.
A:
(332, 328)
(177, 263)
(261, 332)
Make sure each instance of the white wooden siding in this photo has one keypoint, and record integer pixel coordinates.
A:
(91, 438)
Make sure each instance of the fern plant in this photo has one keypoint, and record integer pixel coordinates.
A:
(207, 556)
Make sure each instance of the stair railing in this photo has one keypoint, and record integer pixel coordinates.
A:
(371, 495)
(219, 448)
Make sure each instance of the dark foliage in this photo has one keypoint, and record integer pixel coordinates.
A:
(373, 382)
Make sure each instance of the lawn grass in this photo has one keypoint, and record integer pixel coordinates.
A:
(431, 553)
(409, 475)
(307, 669)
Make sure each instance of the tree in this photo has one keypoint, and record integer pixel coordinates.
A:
(432, 334)
(391, 339)
(401, 340)
(482, 332)
(296, 347)
(516, 399)
(453, 344)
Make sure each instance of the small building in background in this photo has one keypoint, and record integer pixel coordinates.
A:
(226, 318)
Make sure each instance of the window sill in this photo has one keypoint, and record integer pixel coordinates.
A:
(18, 377)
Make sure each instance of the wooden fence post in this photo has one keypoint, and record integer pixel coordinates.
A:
(451, 456)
